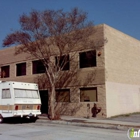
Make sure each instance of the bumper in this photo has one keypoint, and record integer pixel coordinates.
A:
(32, 113)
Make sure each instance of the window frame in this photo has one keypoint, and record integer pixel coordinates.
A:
(20, 66)
(35, 64)
(8, 97)
(65, 66)
(67, 90)
(90, 88)
(85, 62)
(6, 70)
(26, 93)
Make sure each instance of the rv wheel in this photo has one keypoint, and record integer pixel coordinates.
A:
(33, 119)
(1, 119)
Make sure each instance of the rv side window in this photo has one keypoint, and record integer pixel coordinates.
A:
(6, 93)
(23, 93)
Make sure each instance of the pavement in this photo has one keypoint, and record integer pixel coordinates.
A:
(120, 123)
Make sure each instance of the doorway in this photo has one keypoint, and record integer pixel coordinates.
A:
(44, 101)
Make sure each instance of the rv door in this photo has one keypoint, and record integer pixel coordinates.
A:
(6, 101)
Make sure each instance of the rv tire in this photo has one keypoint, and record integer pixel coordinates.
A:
(33, 119)
(1, 119)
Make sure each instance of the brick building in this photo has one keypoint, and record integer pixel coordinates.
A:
(111, 79)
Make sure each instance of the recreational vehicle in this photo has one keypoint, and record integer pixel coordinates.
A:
(19, 99)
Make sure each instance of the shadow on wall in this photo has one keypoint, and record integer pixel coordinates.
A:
(66, 80)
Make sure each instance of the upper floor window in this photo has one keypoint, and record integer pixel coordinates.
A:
(38, 67)
(20, 69)
(62, 62)
(5, 71)
(87, 59)
(63, 95)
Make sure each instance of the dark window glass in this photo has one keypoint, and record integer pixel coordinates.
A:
(21, 69)
(63, 62)
(87, 59)
(63, 95)
(5, 71)
(38, 67)
(88, 95)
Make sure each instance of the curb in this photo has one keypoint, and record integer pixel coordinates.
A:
(89, 124)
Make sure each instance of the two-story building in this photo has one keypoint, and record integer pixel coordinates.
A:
(110, 78)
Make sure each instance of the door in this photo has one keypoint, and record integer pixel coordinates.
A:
(6, 102)
(44, 101)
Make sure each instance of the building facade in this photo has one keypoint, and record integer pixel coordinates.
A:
(110, 78)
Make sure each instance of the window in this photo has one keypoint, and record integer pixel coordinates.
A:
(63, 62)
(22, 93)
(63, 95)
(6, 94)
(5, 71)
(88, 94)
(87, 59)
(38, 67)
(20, 69)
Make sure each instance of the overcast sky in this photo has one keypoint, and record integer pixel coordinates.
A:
(120, 14)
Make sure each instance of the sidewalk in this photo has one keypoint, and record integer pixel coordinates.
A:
(119, 123)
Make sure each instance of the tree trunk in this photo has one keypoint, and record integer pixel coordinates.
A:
(52, 102)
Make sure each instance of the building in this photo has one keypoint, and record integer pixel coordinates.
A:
(111, 79)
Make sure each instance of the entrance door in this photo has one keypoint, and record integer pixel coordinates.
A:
(44, 101)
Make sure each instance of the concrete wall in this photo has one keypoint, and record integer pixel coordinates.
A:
(8, 57)
(77, 108)
(122, 72)
(122, 98)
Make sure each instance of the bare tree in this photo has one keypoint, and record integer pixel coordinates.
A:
(50, 36)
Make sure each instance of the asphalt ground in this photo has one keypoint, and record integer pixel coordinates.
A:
(124, 122)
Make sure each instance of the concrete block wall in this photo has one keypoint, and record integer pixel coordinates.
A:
(122, 72)
(122, 98)
(80, 109)
(96, 76)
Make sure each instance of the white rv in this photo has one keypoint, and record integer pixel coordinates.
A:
(19, 99)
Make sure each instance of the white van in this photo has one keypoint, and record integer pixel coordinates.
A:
(19, 99)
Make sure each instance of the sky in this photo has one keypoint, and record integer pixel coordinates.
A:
(123, 15)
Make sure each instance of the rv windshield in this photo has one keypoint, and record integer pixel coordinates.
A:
(26, 93)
